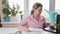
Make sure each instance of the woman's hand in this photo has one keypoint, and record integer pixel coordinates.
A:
(23, 28)
(51, 24)
(26, 29)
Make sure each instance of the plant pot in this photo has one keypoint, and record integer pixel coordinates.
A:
(21, 17)
(7, 19)
(13, 18)
(58, 32)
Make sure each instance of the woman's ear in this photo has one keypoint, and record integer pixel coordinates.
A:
(33, 9)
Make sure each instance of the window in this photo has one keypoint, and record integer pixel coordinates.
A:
(15, 2)
(45, 4)
(57, 6)
(20, 3)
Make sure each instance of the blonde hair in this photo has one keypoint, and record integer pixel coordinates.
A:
(35, 6)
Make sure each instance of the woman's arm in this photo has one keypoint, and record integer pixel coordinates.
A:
(45, 24)
(24, 25)
(23, 28)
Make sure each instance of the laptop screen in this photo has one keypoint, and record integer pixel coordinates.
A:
(58, 18)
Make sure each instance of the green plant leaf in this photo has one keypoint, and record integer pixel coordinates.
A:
(6, 11)
(58, 26)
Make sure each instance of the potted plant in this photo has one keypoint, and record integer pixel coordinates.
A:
(58, 28)
(5, 11)
(14, 11)
(21, 14)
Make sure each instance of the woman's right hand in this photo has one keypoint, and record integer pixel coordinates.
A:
(26, 30)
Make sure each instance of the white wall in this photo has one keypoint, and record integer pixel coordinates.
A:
(1, 9)
(52, 5)
(0, 6)
(26, 8)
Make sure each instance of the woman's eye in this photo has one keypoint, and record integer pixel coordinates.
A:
(39, 10)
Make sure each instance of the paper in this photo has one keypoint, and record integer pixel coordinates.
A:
(35, 29)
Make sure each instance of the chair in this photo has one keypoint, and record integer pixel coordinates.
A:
(0, 22)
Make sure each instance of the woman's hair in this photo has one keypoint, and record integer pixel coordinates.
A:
(35, 6)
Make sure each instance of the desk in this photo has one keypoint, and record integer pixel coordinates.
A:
(13, 30)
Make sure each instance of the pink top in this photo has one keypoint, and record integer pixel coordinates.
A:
(32, 22)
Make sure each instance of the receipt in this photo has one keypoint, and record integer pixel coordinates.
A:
(35, 29)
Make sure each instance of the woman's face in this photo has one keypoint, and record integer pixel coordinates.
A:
(38, 11)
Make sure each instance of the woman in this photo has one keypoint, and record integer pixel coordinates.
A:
(35, 20)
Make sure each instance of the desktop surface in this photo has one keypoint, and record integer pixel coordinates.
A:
(15, 31)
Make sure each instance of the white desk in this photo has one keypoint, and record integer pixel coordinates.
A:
(13, 30)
